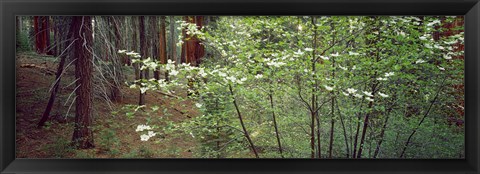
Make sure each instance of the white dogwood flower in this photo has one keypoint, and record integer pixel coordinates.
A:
(389, 74)
(142, 128)
(420, 61)
(351, 90)
(383, 95)
(368, 93)
(328, 87)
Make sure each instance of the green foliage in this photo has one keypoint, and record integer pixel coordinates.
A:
(60, 148)
(384, 68)
(23, 42)
(109, 141)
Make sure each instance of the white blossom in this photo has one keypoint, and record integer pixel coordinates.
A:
(344, 93)
(357, 95)
(335, 55)
(324, 57)
(173, 72)
(151, 133)
(143, 89)
(122, 51)
(328, 87)
(351, 90)
(341, 67)
(439, 47)
(232, 79)
(441, 68)
(258, 76)
(142, 128)
(144, 137)
(202, 73)
(447, 57)
(198, 105)
(131, 53)
(433, 23)
(276, 64)
(353, 53)
(420, 61)
(308, 49)
(383, 95)
(299, 52)
(381, 79)
(389, 74)
(368, 93)
(222, 74)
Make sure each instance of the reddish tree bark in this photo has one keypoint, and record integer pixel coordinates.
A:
(38, 38)
(193, 51)
(42, 34)
(449, 30)
(162, 51)
(82, 32)
(46, 34)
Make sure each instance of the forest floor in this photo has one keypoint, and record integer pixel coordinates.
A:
(114, 134)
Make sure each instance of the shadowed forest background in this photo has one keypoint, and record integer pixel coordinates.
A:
(240, 87)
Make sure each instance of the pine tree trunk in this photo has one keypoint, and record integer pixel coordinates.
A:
(163, 42)
(143, 52)
(155, 44)
(46, 113)
(37, 34)
(48, 46)
(135, 45)
(82, 32)
(116, 94)
(173, 45)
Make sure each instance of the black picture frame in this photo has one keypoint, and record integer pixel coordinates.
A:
(10, 8)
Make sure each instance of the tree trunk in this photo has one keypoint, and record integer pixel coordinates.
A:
(423, 118)
(38, 38)
(382, 134)
(116, 93)
(245, 132)
(313, 110)
(154, 34)
(193, 50)
(53, 93)
(275, 124)
(332, 128)
(173, 45)
(135, 45)
(330, 147)
(48, 46)
(347, 148)
(82, 31)
(143, 52)
(163, 43)
(376, 57)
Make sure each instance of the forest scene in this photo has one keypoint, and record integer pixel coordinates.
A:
(240, 87)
